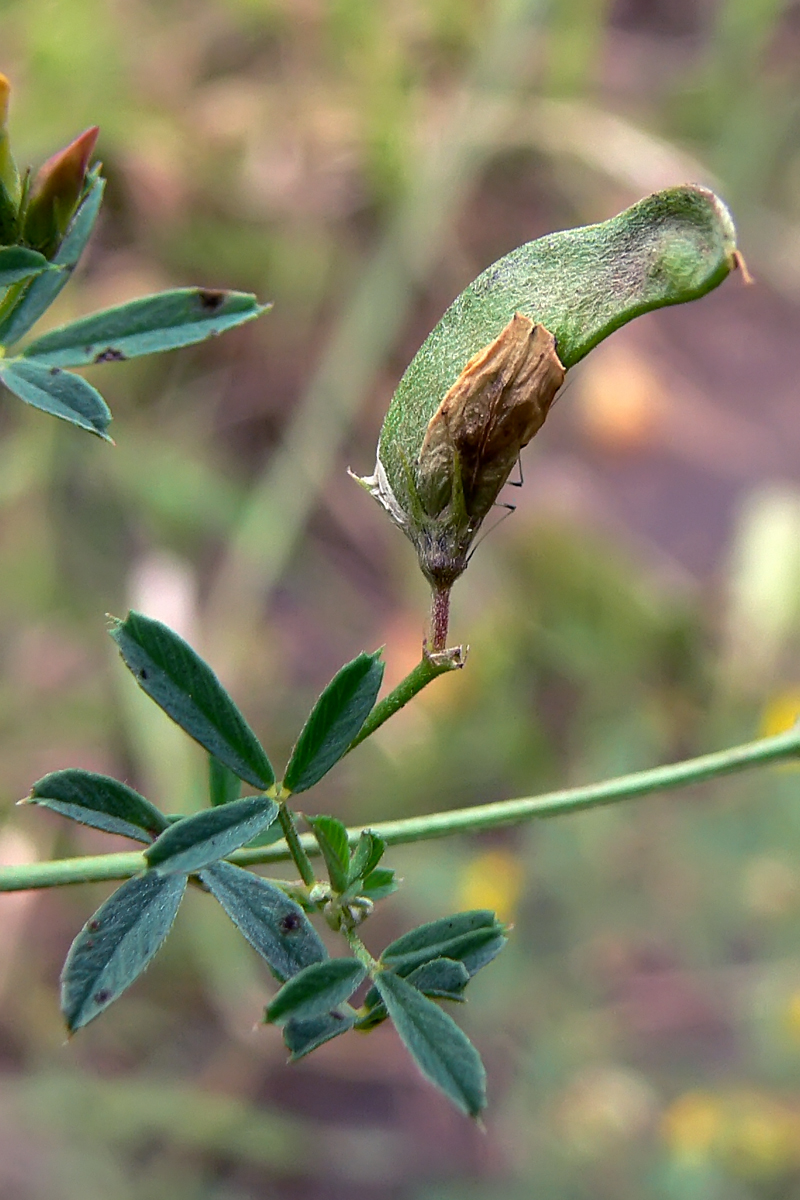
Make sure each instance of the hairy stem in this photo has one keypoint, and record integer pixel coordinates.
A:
(440, 618)
(360, 951)
(426, 670)
(460, 820)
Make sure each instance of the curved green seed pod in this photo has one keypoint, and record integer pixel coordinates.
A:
(481, 384)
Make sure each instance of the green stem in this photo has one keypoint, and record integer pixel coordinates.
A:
(360, 951)
(429, 668)
(296, 850)
(460, 820)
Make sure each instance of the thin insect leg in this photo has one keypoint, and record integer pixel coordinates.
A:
(510, 508)
(517, 482)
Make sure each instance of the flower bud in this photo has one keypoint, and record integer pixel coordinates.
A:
(56, 192)
(9, 176)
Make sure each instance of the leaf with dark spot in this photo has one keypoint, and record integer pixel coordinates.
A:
(125, 932)
(164, 321)
(273, 924)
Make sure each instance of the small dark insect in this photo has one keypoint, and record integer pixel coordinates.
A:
(93, 925)
(143, 673)
(109, 355)
(210, 299)
(290, 922)
(55, 370)
(101, 996)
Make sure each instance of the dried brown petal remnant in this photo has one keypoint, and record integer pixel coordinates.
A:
(494, 408)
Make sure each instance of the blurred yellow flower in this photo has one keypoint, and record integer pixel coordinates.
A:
(781, 712)
(692, 1124)
(492, 880)
(779, 715)
(762, 1139)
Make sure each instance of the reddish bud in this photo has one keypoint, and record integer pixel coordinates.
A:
(9, 176)
(55, 193)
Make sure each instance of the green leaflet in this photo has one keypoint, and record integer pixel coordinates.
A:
(18, 312)
(153, 323)
(443, 1053)
(172, 674)
(472, 938)
(434, 934)
(334, 721)
(301, 1037)
(99, 801)
(18, 263)
(316, 990)
(57, 392)
(379, 884)
(580, 285)
(199, 840)
(273, 924)
(368, 853)
(332, 839)
(441, 979)
(116, 944)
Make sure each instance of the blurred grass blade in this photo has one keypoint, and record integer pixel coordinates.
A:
(99, 801)
(443, 1053)
(161, 322)
(335, 720)
(223, 784)
(199, 840)
(57, 392)
(173, 674)
(332, 839)
(496, 86)
(18, 312)
(116, 944)
(18, 263)
(273, 924)
(301, 1037)
(316, 990)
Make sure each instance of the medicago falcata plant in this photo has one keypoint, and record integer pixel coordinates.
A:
(476, 392)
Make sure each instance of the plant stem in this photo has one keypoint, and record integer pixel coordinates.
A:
(426, 670)
(359, 949)
(440, 618)
(445, 824)
(296, 850)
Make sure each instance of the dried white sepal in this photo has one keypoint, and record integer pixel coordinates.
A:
(378, 486)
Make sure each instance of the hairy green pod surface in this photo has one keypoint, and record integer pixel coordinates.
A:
(580, 285)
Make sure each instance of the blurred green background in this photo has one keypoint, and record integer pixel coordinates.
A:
(358, 162)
